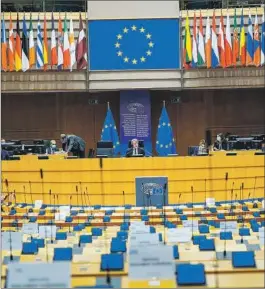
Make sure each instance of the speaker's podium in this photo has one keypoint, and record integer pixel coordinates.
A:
(151, 191)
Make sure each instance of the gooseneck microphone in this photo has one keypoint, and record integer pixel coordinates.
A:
(42, 184)
(192, 213)
(226, 179)
(30, 192)
(50, 193)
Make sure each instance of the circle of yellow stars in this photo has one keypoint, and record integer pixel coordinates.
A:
(170, 143)
(124, 57)
(115, 128)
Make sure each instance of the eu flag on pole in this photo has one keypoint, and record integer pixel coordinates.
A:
(165, 142)
(134, 44)
(109, 131)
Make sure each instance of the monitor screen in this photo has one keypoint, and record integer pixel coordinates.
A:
(104, 144)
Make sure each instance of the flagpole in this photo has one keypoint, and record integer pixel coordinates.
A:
(108, 105)
(164, 103)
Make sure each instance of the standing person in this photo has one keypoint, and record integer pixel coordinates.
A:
(74, 144)
(202, 148)
(220, 143)
(135, 150)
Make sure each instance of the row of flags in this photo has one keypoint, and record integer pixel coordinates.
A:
(224, 48)
(165, 142)
(21, 53)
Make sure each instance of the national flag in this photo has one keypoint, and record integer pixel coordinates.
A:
(39, 47)
(201, 48)
(215, 54)
(262, 54)
(256, 59)
(242, 49)
(32, 58)
(11, 46)
(3, 46)
(81, 47)
(165, 142)
(45, 44)
(72, 45)
(194, 42)
(25, 47)
(18, 51)
(66, 49)
(228, 43)
(109, 132)
(187, 42)
(208, 44)
(221, 42)
(54, 58)
(60, 44)
(235, 40)
(250, 51)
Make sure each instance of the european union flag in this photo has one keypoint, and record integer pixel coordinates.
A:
(109, 132)
(134, 44)
(165, 143)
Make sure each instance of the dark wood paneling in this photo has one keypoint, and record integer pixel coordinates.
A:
(46, 115)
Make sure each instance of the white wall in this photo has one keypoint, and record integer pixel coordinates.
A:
(132, 9)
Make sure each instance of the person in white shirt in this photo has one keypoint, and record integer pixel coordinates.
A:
(135, 150)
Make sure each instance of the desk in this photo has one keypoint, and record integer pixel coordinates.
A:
(105, 181)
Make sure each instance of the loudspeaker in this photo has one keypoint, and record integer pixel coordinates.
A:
(208, 137)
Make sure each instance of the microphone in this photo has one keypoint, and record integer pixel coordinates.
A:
(25, 196)
(69, 228)
(232, 191)
(50, 193)
(123, 206)
(164, 210)
(179, 199)
(192, 212)
(42, 184)
(89, 204)
(243, 219)
(205, 193)
(30, 191)
(76, 190)
(226, 179)
(81, 196)
(242, 192)
(254, 193)
(143, 195)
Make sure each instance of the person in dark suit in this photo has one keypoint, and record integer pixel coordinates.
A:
(74, 144)
(135, 150)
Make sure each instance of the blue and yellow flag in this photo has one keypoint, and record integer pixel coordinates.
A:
(109, 132)
(165, 142)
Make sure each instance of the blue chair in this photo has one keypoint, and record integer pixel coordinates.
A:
(203, 229)
(143, 212)
(226, 236)
(106, 219)
(213, 210)
(61, 236)
(243, 259)
(188, 274)
(112, 262)
(197, 239)
(42, 213)
(63, 254)
(175, 252)
(109, 212)
(43, 207)
(159, 207)
(40, 242)
(256, 214)
(160, 237)
(124, 226)
(211, 223)
(179, 211)
(96, 232)
(220, 216)
(152, 229)
(12, 212)
(123, 235)
(97, 207)
(244, 232)
(69, 219)
(117, 246)
(77, 228)
(145, 218)
(245, 208)
(32, 219)
(128, 207)
(189, 205)
(74, 213)
(217, 225)
(207, 245)
(255, 227)
(262, 223)
(29, 248)
(183, 218)
(85, 239)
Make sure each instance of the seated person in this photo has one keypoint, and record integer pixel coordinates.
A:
(135, 149)
(220, 143)
(51, 147)
(202, 148)
(4, 153)
(263, 146)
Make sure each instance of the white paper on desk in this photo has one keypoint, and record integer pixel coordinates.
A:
(228, 226)
(15, 238)
(65, 209)
(47, 231)
(39, 275)
(60, 216)
(193, 225)
(30, 228)
(38, 204)
(261, 236)
(145, 239)
(210, 201)
(263, 204)
(179, 235)
(146, 263)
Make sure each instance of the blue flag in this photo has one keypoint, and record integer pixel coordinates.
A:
(165, 143)
(134, 44)
(109, 132)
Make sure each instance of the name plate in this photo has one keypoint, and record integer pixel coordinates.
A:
(179, 235)
(30, 228)
(143, 239)
(39, 275)
(192, 225)
(11, 238)
(149, 264)
(65, 209)
(47, 231)
(230, 226)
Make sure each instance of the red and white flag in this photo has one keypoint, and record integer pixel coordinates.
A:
(54, 58)
(228, 43)
(81, 47)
